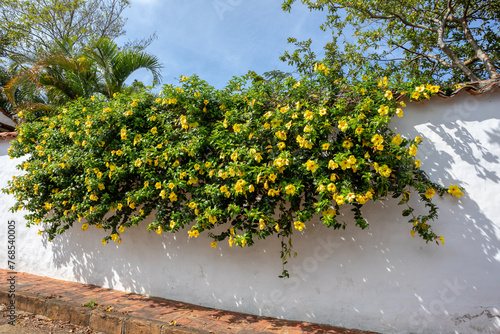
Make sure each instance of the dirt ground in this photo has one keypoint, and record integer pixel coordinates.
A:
(28, 323)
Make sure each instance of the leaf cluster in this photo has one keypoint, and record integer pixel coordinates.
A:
(258, 158)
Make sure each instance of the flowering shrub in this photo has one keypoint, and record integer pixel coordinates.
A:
(255, 159)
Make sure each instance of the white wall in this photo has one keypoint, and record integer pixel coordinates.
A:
(378, 279)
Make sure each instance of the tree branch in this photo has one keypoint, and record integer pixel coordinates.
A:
(480, 54)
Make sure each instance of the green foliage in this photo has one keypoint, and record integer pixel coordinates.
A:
(92, 304)
(256, 159)
(69, 71)
(31, 27)
(443, 41)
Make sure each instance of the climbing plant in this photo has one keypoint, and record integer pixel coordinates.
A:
(256, 159)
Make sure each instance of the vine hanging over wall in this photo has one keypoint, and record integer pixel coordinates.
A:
(255, 159)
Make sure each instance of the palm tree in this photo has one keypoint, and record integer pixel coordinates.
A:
(115, 65)
(66, 73)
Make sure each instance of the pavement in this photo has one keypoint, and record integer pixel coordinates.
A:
(115, 312)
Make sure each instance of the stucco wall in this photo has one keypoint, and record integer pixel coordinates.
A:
(377, 279)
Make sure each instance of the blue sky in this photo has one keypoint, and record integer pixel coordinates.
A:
(219, 39)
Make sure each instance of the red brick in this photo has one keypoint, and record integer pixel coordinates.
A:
(136, 325)
(106, 322)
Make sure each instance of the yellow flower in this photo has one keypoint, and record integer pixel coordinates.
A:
(413, 150)
(399, 112)
(281, 135)
(121, 229)
(441, 238)
(388, 95)
(383, 110)
(237, 128)
(344, 164)
(234, 156)
(382, 82)
(299, 225)
(85, 227)
(154, 130)
(284, 109)
(311, 166)
(163, 193)
(332, 164)
(159, 230)
(347, 144)
(101, 186)
(343, 125)
(351, 196)
(417, 163)
(325, 146)
(412, 233)
(103, 241)
(339, 199)
(308, 115)
(290, 189)
(397, 140)
(331, 187)
(385, 171)
(272, 177)
(172, 197)
(377, 140)
(194, 234)
(213, 244)
(262, 224)
(455, 191)
(322, 112)
(281, 145)
(418, 139)
(330, 213)
(277, 227)
(415, 95)
(430, 192)
(273, 192)
(359, 130)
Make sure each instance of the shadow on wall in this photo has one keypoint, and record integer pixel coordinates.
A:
(122, 267)
(461, 146)
(379, 279)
